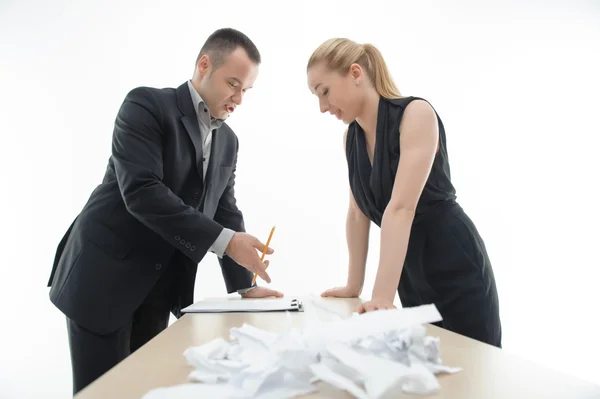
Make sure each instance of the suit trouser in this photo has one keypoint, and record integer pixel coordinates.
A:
(93, 354)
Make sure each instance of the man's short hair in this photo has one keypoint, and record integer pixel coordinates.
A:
(221, 43)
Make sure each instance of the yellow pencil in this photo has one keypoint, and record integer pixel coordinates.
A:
(262, 258)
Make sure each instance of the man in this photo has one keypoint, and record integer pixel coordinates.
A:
(130, 257)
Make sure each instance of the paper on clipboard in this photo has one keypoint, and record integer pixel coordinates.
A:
(246, 305)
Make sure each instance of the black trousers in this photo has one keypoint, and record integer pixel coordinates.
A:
(447, 264)
(92, 354)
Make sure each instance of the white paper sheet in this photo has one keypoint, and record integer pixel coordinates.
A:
(378, 322)
(245, 305)
(374, 355)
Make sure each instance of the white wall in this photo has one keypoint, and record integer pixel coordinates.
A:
(515, 84)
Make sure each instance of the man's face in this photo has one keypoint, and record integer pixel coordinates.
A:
(223, 88)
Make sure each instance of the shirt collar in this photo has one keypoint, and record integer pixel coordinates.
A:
(200, 106)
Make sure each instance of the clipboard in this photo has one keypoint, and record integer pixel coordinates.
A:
(246, 305)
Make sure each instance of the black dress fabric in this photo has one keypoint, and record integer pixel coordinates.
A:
(446, 262)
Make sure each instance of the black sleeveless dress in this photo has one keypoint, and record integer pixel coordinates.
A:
(446, 263)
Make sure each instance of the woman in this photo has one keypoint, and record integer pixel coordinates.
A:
(399, 174)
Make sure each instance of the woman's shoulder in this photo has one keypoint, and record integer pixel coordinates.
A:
(406, 100)
(413, 105)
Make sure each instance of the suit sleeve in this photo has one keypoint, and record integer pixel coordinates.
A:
(229, 216)
(137, 156)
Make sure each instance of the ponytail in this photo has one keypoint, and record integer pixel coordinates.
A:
(379, 73)
(339, 54)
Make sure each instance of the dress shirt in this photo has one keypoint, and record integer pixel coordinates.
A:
(208, 127)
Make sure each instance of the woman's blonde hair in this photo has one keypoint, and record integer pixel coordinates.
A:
(339, 54)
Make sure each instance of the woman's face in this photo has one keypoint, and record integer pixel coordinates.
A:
(338, 94)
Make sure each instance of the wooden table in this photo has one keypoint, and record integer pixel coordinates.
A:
(488, 372)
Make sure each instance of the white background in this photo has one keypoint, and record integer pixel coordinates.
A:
(516, 85)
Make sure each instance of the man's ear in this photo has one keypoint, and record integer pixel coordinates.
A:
(203, 65)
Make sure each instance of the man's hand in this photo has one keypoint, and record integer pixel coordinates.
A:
(242, 249)
(262, 292)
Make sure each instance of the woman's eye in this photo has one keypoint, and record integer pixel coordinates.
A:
(325, 92)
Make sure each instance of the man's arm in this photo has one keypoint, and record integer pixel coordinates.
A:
(231, 218)
(137, 155)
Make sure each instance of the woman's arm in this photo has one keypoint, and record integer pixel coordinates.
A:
(418, 146)
(357, 239)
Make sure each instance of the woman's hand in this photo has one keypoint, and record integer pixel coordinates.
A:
(374, 304)
(342, 292)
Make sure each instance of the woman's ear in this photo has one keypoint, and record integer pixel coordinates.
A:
(356, 73)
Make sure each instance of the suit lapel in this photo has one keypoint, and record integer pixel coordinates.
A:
(190, 122)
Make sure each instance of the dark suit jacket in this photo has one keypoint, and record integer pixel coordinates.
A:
(152, 202)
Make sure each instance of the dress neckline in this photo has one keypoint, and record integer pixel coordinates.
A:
(365, 165)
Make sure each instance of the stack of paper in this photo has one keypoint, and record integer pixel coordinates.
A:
(372, 355)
